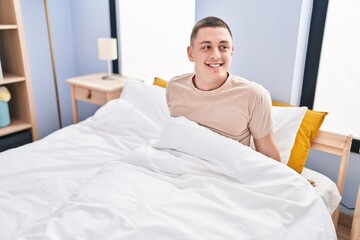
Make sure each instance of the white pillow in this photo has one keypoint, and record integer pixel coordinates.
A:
(286, 123)
(149, 99)
(120, 118)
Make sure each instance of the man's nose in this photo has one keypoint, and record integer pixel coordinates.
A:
(215, 55)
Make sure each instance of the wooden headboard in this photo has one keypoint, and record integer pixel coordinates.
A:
(338, 145)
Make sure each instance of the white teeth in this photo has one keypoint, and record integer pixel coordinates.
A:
(214, 65)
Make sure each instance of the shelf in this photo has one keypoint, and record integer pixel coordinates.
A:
(7, 26)
(12, 78)
(16, 72)
(15, 126)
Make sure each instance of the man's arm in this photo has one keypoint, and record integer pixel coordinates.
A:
(267, 146)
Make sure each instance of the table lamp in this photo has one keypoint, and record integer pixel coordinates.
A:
(107, 50)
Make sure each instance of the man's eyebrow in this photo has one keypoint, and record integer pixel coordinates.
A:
(224, 41)
(205, 42)
(209, 42)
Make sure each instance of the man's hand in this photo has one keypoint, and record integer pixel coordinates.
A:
(312, 182)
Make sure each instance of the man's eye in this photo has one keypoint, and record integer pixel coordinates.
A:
(206, 47)
(224, 47)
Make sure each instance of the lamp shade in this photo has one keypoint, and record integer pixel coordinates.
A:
(107, 48)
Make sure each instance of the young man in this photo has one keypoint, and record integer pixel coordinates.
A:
(227, 104)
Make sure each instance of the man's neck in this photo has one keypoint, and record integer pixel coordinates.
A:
(207, 85)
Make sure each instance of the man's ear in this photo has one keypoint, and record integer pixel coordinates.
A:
(232, 50)
(190, 54)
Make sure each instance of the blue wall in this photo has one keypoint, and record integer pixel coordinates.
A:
(260, 31)
(75, 27)
(91, 20)
(63, 49)
(265, 37)
(38, 49)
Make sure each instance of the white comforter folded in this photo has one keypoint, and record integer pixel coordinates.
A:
(98, 180)
(272, 200)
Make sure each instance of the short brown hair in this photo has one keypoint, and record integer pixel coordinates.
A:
(208, 22)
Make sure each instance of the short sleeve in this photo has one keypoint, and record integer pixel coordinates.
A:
(168, 92)
(260, 123)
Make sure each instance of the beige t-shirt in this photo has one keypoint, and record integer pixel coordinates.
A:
(238, 109)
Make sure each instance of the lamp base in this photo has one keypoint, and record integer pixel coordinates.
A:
(110, 77)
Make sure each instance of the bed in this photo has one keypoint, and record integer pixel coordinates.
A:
(133, 172)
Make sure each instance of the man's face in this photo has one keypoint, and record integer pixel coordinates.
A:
(211, 51)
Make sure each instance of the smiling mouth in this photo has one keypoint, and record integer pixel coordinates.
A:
(214, 65)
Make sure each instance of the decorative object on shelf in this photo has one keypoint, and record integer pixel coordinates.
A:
(1, 73)
(107, 50)
(5, 97)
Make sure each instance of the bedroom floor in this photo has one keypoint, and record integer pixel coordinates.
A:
(344, 226)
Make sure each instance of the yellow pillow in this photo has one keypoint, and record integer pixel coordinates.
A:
(160, 82)
(308, 130)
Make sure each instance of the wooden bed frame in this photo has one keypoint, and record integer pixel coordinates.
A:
(355, 226)
(338, 145)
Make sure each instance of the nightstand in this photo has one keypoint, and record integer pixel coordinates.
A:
(93, 89)
(355, 227)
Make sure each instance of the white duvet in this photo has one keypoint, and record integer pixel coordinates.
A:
(118, 175)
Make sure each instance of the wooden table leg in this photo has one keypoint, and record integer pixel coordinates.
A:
(74, 105)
